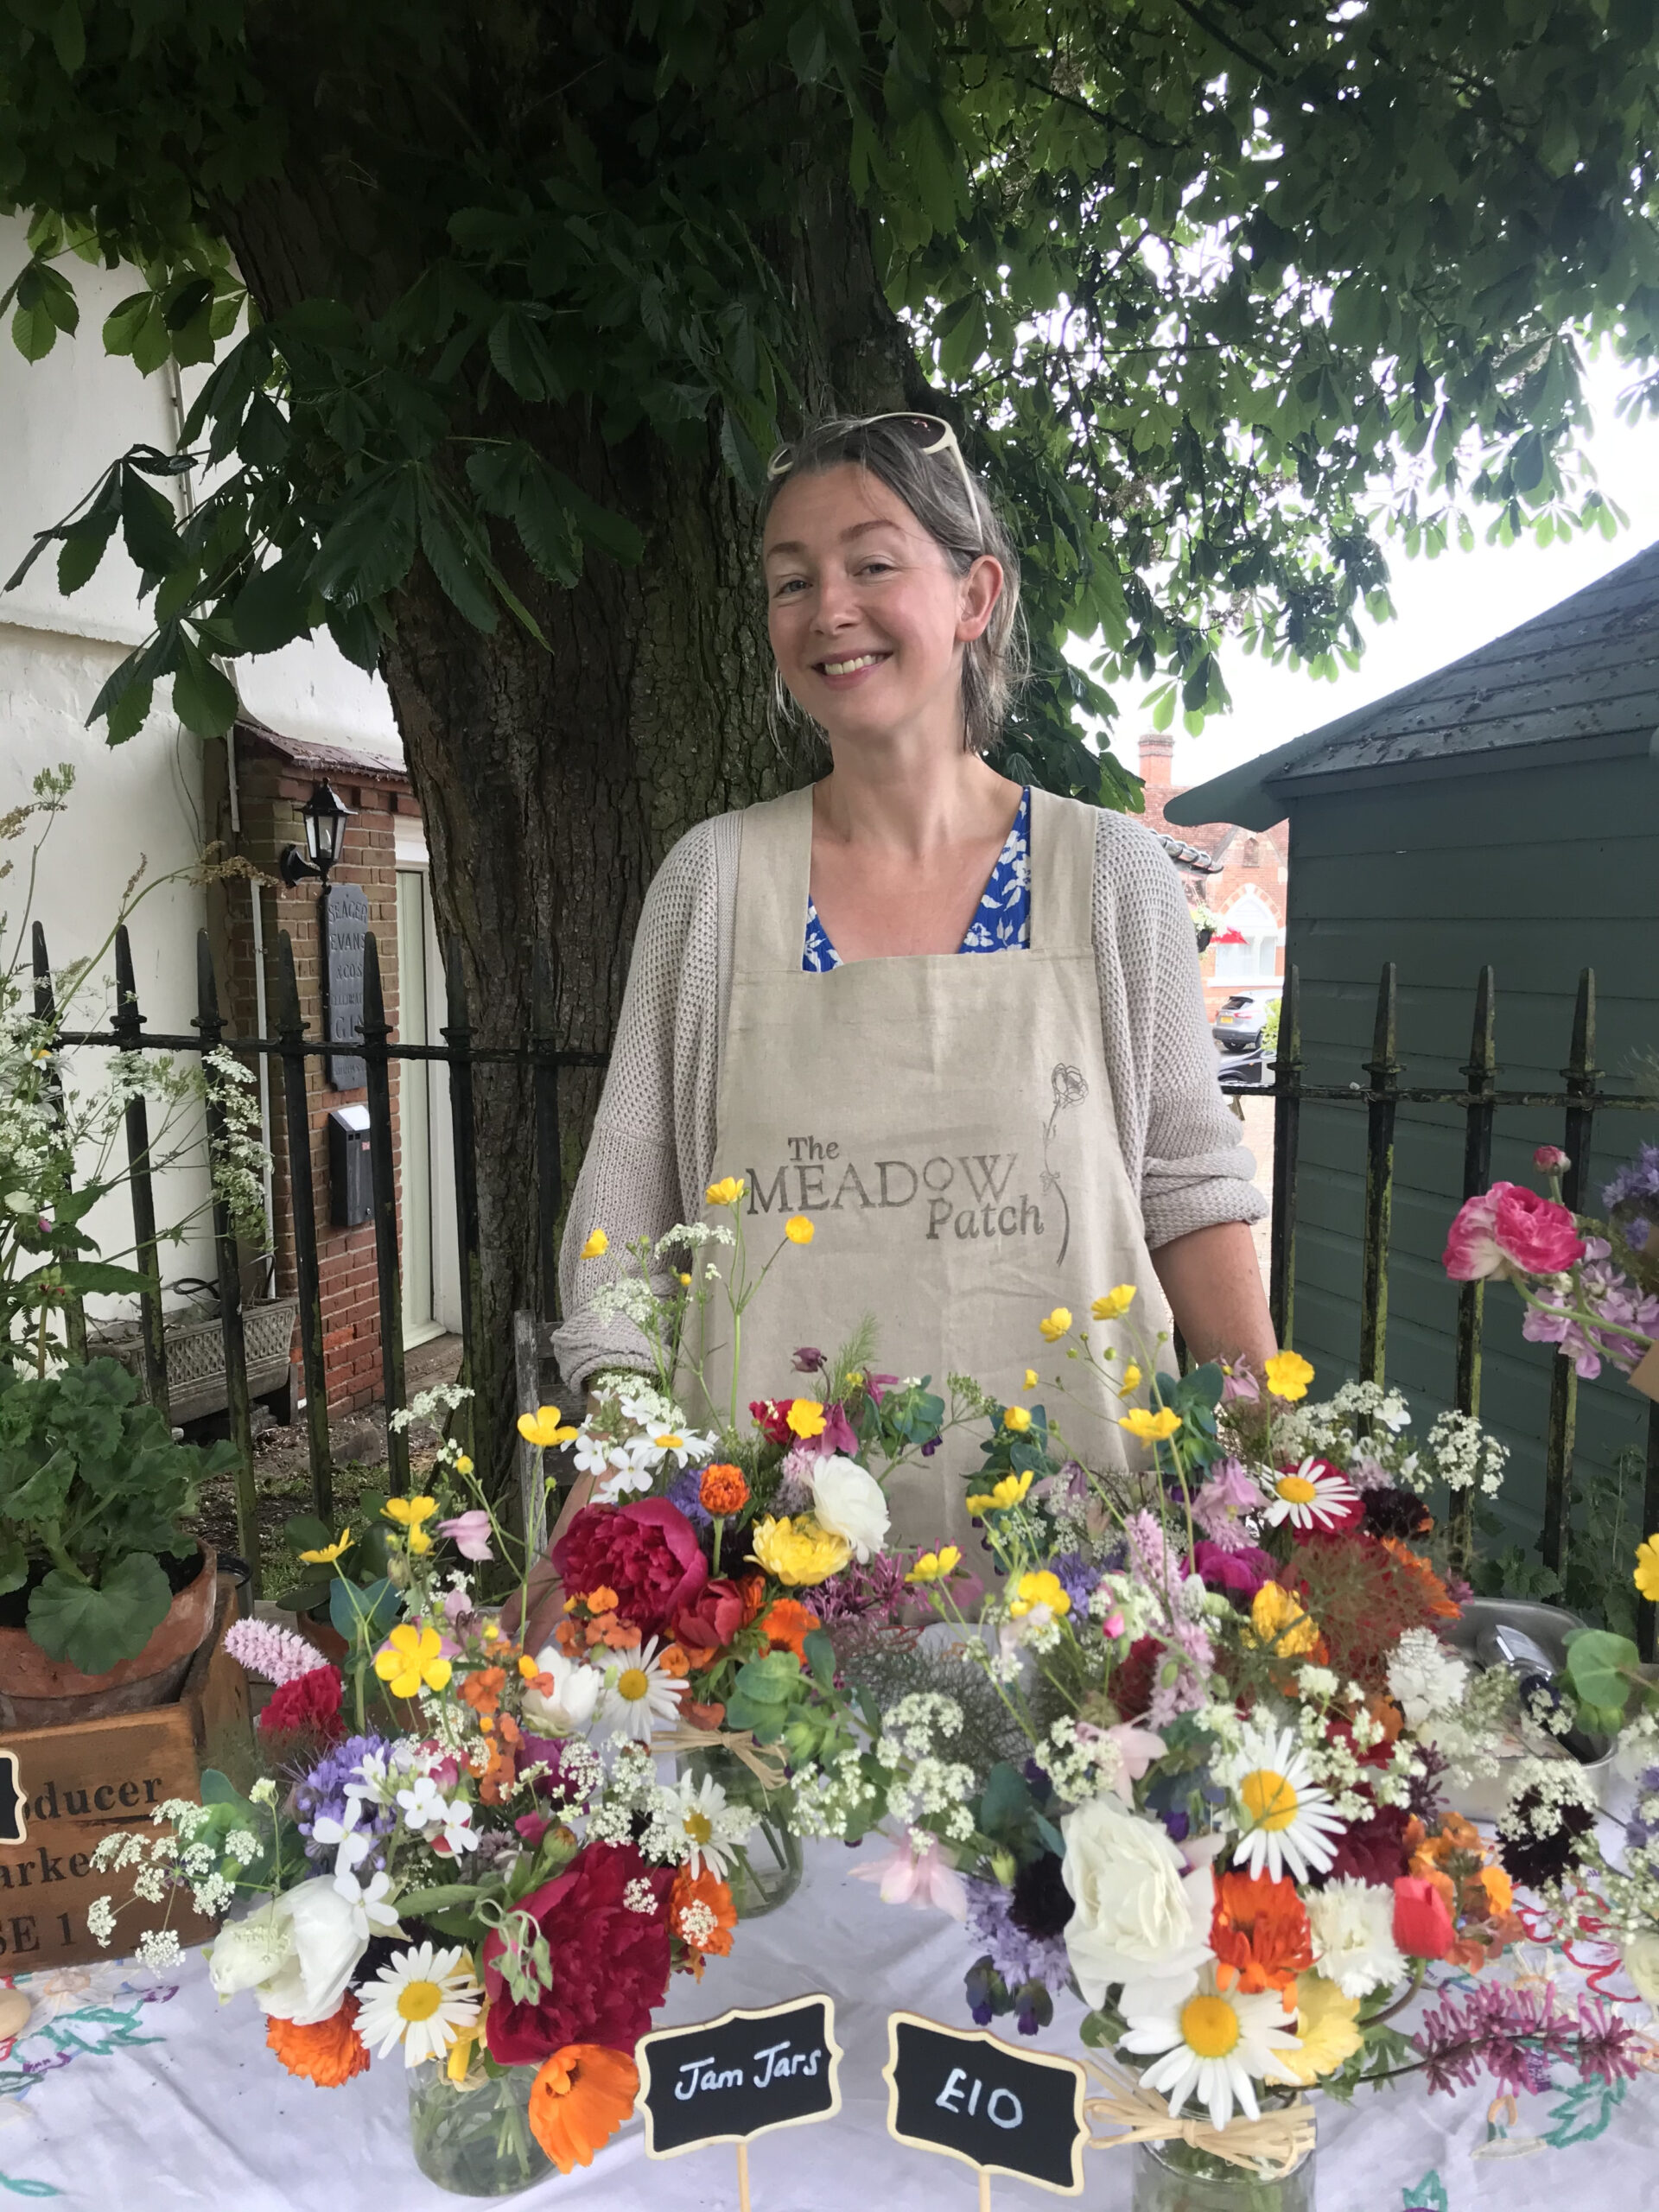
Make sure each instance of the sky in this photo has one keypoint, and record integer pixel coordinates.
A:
(1444, 609)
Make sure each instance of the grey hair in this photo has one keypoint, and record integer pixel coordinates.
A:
(996, 665)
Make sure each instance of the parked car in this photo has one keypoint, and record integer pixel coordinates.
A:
(1238, 1024)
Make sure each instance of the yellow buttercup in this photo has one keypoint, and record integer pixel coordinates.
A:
(547, 1427)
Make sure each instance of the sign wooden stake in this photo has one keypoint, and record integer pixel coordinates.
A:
(962, 2094)
(743, 2074)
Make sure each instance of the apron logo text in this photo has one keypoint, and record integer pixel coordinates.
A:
(965, 1198)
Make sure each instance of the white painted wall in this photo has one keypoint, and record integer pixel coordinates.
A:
(63, 420)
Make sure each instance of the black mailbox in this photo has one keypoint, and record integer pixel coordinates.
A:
(351, 1179)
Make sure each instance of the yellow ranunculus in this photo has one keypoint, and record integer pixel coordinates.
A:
(936, 1567)
(1116, 1304)
(1031, 1378)
(799, 1230)
(411, 1658)
(727, 1192)
(798, 1551)
(597, 1246)
(463, 1465)
(1017, 1418)
(1053, 1326)
(1131, 1380)
(546, 1427)
(1009, 1492)
(410, 1512)
(1327, 2037)
(329, 1553)
(1288, 1376)
(806, 1418)
(1041, 1588)
(419, 1543)
(1150, 1427)
(1647, 1568)
(1280, 1623)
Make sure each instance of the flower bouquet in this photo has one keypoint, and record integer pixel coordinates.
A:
(1188, 1760)
(463, 1858)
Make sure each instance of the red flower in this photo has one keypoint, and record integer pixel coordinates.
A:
(647, 1552)
(709, 1623)
(772, 1418)
(610, 1963)
(1373, 1850)
(1131, 1686)
(1422, 1925)
(310, 1704)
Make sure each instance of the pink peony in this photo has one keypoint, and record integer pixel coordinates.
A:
(647, 1552)
(1550, 1159)
(1243, 1571)
(1511, 1231)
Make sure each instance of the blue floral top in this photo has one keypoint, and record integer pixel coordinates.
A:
(1001, 922)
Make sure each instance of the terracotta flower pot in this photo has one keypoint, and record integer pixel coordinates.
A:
(43, 1692)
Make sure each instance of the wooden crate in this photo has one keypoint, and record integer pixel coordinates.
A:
(74, 1784)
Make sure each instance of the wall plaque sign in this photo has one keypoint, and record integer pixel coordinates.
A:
(345, 926)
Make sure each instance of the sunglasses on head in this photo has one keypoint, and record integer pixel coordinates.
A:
(930, 433)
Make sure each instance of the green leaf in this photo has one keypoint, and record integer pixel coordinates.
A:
(772, 1679)
(69, 38)
(125, 320)
(204, 698)
(455, 565)
(821, 1658)
(95, 1627)
(1600, 1666)
(368, 547)
(148, 523)
(127, 714)
(273, 607)
(33, 332)
(372, 1610)
(305, 1533)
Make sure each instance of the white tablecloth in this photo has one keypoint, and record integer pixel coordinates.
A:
(129, 2092)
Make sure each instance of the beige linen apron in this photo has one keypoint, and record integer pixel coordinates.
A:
(945, 1121)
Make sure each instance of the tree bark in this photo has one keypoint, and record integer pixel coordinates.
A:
(552, 781)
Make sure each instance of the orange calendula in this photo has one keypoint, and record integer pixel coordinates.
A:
(328, 2052)
(723, 1488)
(580, 2097)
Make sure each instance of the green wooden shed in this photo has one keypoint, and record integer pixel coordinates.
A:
(1503, 813)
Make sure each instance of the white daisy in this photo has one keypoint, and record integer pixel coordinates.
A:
(423, 1999)
(637, 1693)
(1285, 1815)
(1214, 2044)
(1313, 1495)
(702, 1807)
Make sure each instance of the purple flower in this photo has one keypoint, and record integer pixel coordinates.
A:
(808, 1360)
(1517, 2036)
(1221, 1508)
(1243, 1571)
(469, 1533)
(1017, 1956)
(1077, 1578)
(685, 1492)
(322, 1794)
(1636, 1178)
(1608, 1294)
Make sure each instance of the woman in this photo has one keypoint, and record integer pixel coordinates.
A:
(977, 1139)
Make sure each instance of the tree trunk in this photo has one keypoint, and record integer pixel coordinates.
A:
(552, 782)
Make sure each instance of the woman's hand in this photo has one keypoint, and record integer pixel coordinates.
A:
(1212, 1279)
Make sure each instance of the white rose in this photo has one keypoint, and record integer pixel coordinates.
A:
(1140, 1914)
(1642, 1964)
(248, 1952)
(851, 1504)
(575, 1692)
(310, 1983)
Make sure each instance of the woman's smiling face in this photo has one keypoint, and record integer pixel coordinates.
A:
(866, 616)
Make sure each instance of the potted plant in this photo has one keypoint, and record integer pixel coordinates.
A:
(104, 1592)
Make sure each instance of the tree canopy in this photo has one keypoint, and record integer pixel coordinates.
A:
(1221, 295)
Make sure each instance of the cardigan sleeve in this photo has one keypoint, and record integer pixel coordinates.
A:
(1180, 1144)
(646, 1161)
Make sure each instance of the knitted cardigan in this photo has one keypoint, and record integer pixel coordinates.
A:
(652, 1150)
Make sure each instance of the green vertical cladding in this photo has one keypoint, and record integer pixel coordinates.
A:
(1535, 873)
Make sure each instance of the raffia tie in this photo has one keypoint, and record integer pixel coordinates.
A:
(1271, 2144)
(764, 1761)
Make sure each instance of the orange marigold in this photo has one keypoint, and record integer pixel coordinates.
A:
(329, 2052)
(701, 1912)
(722, 1489)
(579, 2099)
(1259, 1933)
(788, 1623)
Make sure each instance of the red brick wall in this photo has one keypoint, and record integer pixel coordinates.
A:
(271, 790)
(1257, 860)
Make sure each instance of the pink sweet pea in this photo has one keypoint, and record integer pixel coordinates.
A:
(469, 1533)
(1511, 1231)
(926, 1877)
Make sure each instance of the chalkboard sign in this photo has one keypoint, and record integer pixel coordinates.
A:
(970, 2096)
(740, 2075)
(344, 926)
(13, 1828)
